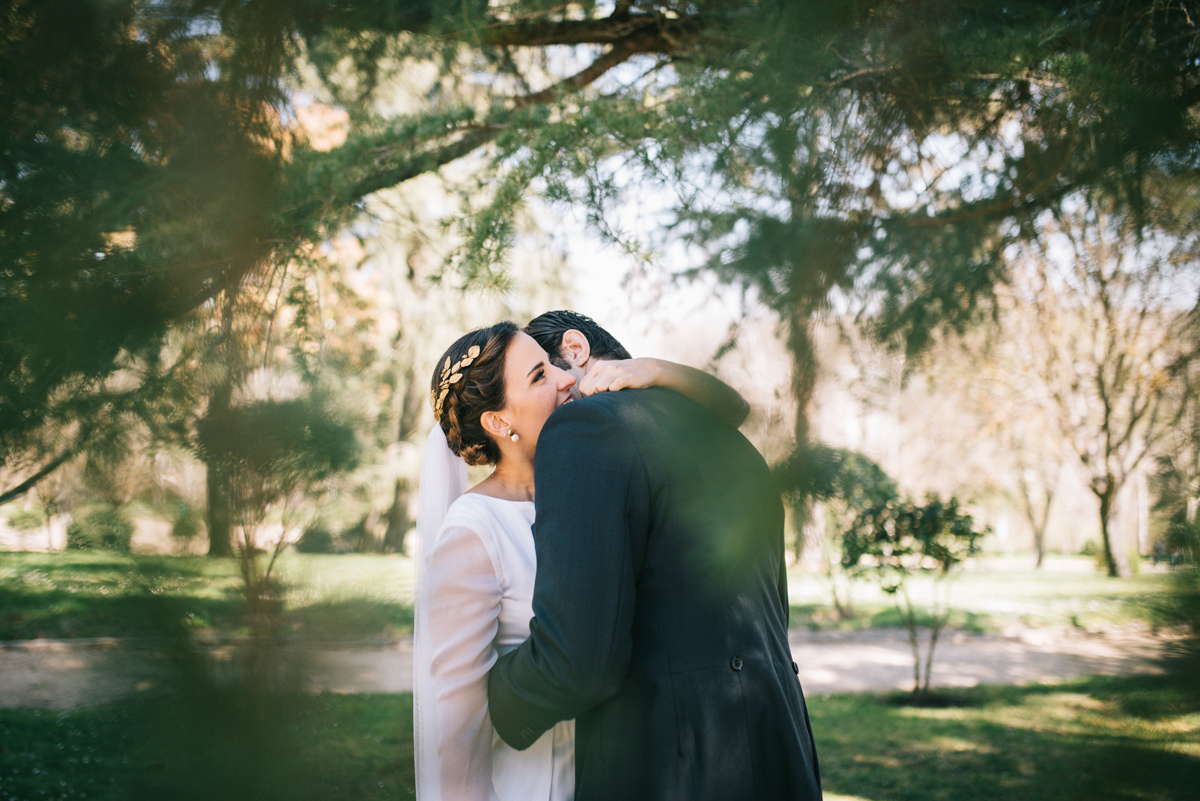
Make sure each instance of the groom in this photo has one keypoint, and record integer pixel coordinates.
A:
(660, 606)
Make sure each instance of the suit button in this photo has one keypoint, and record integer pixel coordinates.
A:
(735, 663)
(795, 668)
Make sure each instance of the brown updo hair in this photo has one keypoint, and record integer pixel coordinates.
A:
(481, 389)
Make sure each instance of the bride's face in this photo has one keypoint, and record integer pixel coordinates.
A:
(533, 388)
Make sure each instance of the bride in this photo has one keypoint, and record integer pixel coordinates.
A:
(491, 392)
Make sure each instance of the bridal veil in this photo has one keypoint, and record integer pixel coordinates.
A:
(443, 480)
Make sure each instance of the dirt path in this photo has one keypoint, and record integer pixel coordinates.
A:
(64, 674)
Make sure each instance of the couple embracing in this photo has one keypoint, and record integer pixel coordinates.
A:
(622, 634)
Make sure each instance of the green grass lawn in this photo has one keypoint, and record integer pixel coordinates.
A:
(360, 597)
(997, 594)
(212, 749)
(1095, 739)
(96, 594)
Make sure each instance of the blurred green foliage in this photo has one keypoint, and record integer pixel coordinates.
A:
(884, 151)
(26, 520)
(823, 473)
(270, 451)
(104, 528)
(136, 183)
(212, 745)
(187, 525)
(317, 538)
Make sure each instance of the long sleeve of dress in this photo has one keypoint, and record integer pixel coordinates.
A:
(464, 609)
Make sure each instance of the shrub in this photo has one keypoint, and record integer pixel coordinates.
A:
(26, 520)
(103, 529)
(317, 539)
(187, 524)
(898, 539)
(1183, 543)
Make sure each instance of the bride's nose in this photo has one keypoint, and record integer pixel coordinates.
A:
(565, 380)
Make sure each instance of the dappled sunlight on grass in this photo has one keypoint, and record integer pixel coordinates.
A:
(348, 597)
(1100, 738)
(952, 744)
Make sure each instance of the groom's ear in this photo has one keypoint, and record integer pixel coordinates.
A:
(575, 348)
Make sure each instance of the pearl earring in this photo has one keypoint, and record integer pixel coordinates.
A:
(513, 435)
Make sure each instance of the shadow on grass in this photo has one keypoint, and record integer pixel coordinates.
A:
(58, 612)
(104, 595)
(1099, 738)
(210, 747)
(227, 723)
(350, 619)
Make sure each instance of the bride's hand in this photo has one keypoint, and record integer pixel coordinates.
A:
(612, 375)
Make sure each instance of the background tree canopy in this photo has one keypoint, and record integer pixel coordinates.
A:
(886, 152)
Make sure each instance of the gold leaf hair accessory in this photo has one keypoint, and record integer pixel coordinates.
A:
(451, 374)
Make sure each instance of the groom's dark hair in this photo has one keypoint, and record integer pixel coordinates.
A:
(548, 330)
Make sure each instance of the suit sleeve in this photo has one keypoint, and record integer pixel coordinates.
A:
(590, 487)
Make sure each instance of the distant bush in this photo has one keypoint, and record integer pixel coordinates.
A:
(104, 529)
(187, 524)
(1095, 551)
(1183, 543)
(26, 520)
(318, 539)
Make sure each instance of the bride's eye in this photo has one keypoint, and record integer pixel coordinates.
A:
(538, 376)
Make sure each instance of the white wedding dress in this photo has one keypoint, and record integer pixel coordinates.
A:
(474, 602)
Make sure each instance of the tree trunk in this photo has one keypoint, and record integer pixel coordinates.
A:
(220, 541)
(398, 521)
(914, 642)
(220, 515)
(1143, 514)
(363, 534)
(1114, 559)
(800, 515)
(1038, 518)
(935, 631)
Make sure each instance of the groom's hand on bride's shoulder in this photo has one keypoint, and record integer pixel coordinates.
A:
(612, 375)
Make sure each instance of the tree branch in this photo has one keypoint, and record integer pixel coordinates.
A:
(644, 40)
(32, 481)
(1005, 207)
(665, 32)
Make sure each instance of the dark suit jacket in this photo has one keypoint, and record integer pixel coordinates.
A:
(660, 610)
